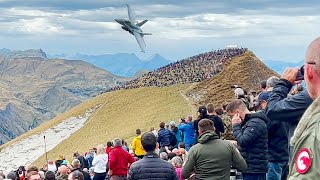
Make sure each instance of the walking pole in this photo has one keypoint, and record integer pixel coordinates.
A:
(45, 148)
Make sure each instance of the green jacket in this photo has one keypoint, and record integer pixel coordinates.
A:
(212, 158)
(306, 142)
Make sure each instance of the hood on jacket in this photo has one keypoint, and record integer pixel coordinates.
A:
(207, 136)
(175, 129)
(138, 137)
(261, 115)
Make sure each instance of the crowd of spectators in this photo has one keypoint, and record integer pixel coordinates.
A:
(275, 136)
(189, 70)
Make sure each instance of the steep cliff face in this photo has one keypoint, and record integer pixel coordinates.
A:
(34, 89)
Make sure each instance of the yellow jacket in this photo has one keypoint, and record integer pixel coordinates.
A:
(137, 146)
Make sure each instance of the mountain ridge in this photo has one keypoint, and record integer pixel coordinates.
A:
(34, 89)
(114, 62)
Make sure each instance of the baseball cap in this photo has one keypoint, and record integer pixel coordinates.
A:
(264, 96)
(202, 109)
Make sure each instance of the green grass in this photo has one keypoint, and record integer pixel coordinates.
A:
(121, 113)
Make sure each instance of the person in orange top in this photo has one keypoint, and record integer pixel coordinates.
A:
(137, 146)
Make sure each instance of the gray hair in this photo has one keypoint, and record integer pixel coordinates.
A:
(272, 81)
(101, 149)
(164, 156)
(117, 142)
(76, 163)
(176, 161)
(238, 92)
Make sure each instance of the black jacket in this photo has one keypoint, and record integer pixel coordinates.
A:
(252, 137)
(152, 167)
(277, 141)
(218, 124)
(287, 109)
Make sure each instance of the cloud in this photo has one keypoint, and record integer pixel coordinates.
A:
(268, 23)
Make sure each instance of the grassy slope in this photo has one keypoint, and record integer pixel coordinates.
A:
(120, 115)
(246, 71)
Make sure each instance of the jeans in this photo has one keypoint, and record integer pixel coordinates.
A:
(254, 176)
(99, 176)
(276, 170)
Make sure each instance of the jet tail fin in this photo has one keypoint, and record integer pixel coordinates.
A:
(142, 23)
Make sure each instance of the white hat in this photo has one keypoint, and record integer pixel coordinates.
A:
(172, 123)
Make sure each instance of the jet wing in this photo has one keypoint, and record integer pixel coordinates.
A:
(131, 15)
(140, 41)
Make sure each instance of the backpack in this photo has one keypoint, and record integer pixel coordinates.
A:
(172, 138)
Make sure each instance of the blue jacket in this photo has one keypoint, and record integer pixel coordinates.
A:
(287, 109)
(188, 133)
(178, 135)
(164, 137)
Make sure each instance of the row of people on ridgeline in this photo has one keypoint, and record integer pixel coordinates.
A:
(192, 69)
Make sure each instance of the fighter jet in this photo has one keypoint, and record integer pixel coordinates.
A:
(133, 27)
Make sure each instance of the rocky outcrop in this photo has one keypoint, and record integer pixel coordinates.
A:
(34, 89)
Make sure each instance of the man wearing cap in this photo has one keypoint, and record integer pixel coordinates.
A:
(177, 133)
(278, 152)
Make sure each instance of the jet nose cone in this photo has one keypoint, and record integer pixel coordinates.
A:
(116, 20)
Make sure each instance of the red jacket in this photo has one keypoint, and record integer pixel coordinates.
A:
(120, 161)
(108, 149)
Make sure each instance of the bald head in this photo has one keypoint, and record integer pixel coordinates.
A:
(312, 69)
(313, 54)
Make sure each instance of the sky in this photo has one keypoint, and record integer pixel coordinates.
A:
(273, 30)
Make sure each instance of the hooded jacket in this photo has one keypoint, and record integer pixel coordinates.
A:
(177, 133)
(306, 138)
(188, 133)
(212, 158)
(252, 137)
(163, 137)
(287, 109)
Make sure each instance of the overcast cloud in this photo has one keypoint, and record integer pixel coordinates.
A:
(278, 30)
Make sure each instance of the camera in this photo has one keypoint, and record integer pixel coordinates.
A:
(183, 120)
(300, 75)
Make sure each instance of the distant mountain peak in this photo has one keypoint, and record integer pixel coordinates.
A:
(121, 64)
(156, 57)
(16, 54)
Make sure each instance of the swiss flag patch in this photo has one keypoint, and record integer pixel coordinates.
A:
(303, 160)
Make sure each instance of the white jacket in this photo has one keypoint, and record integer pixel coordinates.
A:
(100, 163)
